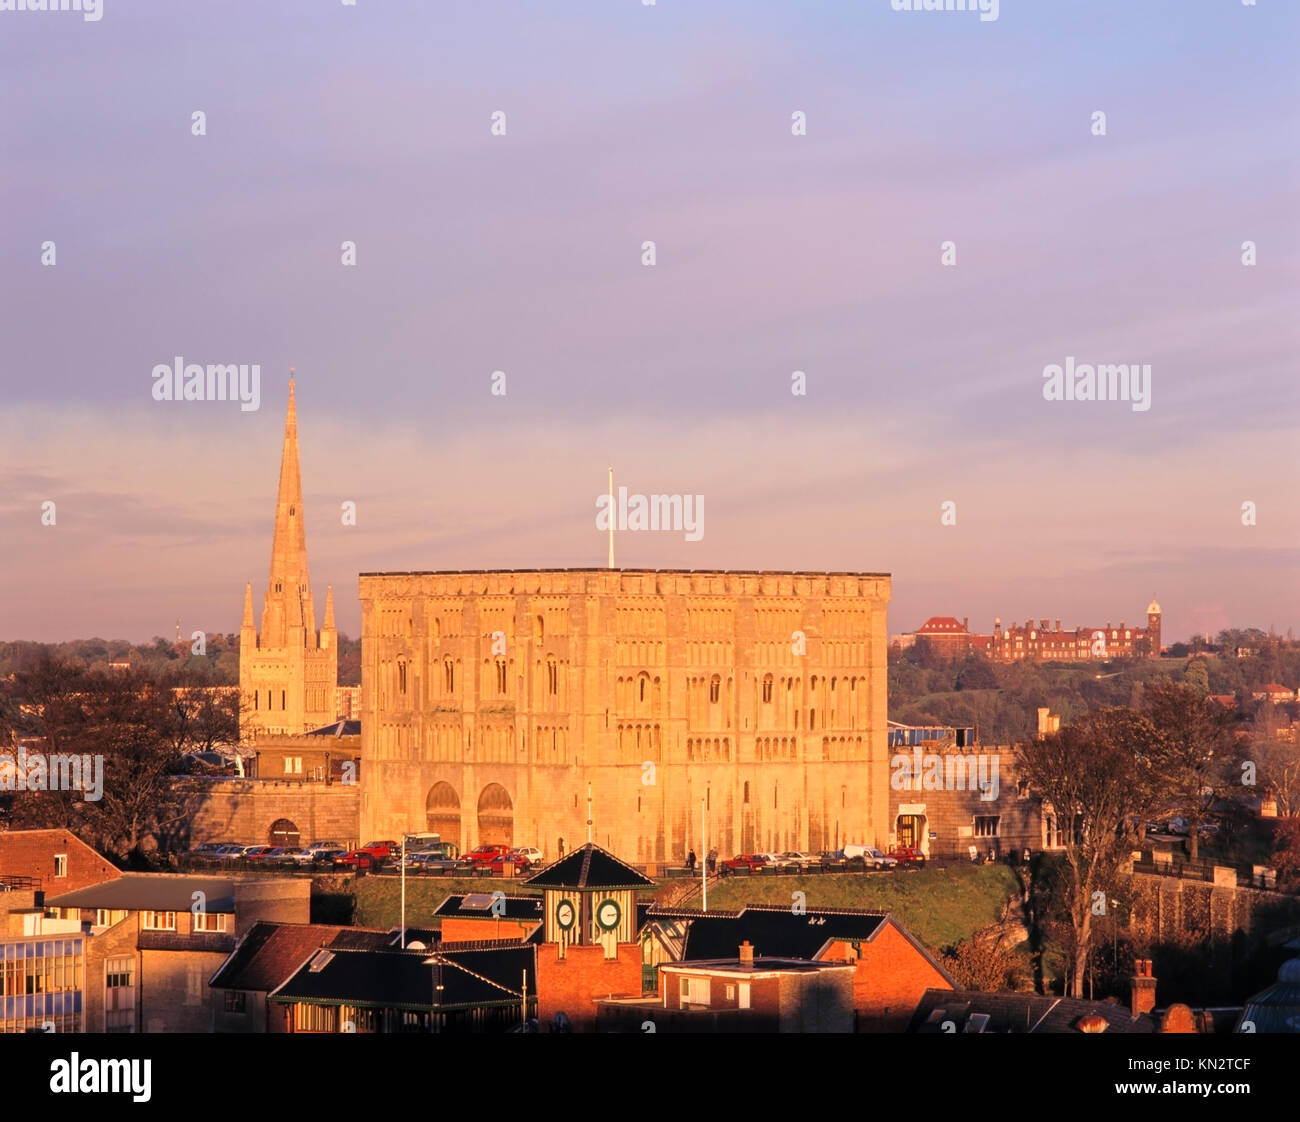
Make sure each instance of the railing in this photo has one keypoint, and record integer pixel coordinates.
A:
(16, 883)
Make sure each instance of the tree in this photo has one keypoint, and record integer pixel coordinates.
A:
(1099, 777)
(139, 726)
(1198, 764)
(985, 962)
(1197, 675)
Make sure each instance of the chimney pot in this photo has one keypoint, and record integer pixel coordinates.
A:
(747, 955)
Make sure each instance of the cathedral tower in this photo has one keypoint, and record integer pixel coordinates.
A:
(1153, 630)
(288, 671)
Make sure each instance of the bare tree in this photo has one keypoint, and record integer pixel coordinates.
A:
(1100, 777)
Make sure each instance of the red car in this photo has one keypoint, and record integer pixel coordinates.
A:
(357, 859)
(751, 861)
(503, 861)
(381, 849)
(484, 854)
(907, 855)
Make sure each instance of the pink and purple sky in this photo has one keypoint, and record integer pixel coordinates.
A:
(775, 253)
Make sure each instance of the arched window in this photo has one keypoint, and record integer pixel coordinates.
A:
(715, 687)
(552, 676)
(449, 673)
(767, 687)
(401, 676)
(746, 792)
(501, 676)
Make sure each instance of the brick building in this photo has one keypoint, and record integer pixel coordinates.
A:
(57, 860)
(155, 939)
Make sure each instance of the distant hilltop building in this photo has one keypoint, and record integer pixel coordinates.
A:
(1045, 641)
(288, 671)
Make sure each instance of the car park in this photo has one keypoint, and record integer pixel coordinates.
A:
(206, 852)
(529, 853)
(326, 855)
(256, 852)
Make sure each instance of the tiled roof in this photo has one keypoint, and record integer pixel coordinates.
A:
(270, 952)
(590, 867)
(940, 624)
(1018, 1012)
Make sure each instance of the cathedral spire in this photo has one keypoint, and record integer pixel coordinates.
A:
(288, 608)
(328, 624)
(248, 607)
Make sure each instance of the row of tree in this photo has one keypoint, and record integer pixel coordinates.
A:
(142, 722)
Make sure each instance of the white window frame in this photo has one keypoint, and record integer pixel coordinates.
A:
(149, 921)
(60, 865)
(205, 921)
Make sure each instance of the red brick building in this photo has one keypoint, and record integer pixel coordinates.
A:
(57, 860)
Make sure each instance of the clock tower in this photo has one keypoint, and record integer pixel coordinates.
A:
(590, 946)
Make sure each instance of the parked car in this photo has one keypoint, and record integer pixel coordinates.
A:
(324, 845)
(833, 859)
(874, 859)
(532, 854)
(256, 852)
(482, 854)
(230, 852)
(751, 862)
(284, 855)
(802, 860)
(381, 849)
(907, 855)
(358, 859)
(326, 855)
(207, 851)
(511, 860)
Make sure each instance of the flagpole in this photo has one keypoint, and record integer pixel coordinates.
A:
(611, 523)
(704, 851)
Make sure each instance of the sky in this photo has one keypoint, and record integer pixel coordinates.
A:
(774, 252)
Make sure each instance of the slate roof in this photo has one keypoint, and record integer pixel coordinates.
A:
(590, 867)
(478, 905)
(773, 932)
(1018, 1012)
(270, 952)
(160, 892)
(393, 979)
(338, 728)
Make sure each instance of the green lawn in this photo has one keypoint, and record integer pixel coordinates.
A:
(938, 906)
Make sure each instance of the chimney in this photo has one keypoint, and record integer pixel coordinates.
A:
(746, 955)
(1143, 992)
(965, 623)
(1042, 625)
(1108, 625)
(1042, 720)
(1058, 625)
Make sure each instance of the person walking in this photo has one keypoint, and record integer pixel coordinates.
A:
(690, 861)
(713, 861)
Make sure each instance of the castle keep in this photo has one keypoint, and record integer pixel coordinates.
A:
(491, 701)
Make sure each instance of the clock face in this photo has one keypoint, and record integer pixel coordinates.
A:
(608, 913)
(565, 914)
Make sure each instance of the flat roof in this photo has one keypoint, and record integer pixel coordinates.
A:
(156, 892)
(761, 966)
